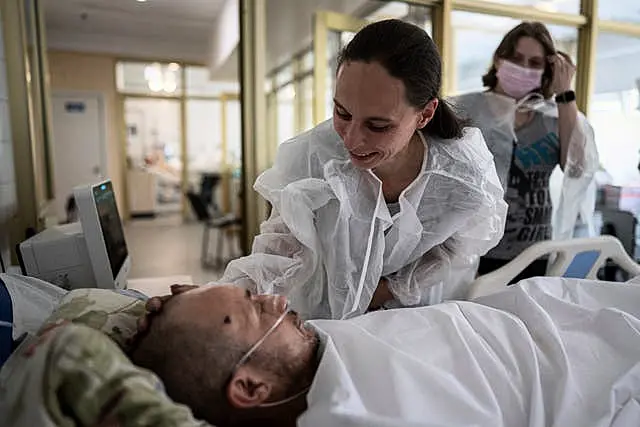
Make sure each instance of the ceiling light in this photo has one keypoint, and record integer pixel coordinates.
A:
(174, 66)
(547, 6)
(170, 86)
(153, 71)
(155, 85)
(141, 1)
(288, 93)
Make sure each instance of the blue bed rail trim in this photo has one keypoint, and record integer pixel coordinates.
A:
(6, 324)
(581, 265)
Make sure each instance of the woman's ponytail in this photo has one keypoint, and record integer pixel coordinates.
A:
(445, 124)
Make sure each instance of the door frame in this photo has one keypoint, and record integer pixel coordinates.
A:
(102, 123)
(226, 171)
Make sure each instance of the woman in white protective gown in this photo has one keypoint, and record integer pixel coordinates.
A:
(390, 203)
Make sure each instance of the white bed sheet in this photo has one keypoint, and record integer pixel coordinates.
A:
(547, 352)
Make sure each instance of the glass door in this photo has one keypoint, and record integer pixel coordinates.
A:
(154, 155)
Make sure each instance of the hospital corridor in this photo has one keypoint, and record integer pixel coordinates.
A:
(311, 213)
(167, 247)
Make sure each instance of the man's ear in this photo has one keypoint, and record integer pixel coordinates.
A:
(427, 113)
(248, 388)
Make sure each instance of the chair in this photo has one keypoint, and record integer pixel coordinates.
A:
(576, 258)
(620, 224)
(208, 185)
(221, 224)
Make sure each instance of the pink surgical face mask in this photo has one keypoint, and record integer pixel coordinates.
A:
(517, 81)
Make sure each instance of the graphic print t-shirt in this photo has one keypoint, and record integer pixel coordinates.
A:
(536, 153)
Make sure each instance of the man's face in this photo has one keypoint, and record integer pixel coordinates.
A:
(199, 337)
(245, 318)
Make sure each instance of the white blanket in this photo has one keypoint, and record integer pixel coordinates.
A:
(548, 352)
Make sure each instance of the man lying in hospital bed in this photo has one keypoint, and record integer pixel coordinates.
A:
(546, 352)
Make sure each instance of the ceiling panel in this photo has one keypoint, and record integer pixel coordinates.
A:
(155, 28)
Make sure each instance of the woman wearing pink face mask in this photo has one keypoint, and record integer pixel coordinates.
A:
(531, 123)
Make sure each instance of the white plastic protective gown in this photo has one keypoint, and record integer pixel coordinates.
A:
(331, 237)
(544, 353)
(494, 114)
(33, 300)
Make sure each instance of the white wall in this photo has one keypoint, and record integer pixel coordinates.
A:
(614, 106)
(289, 30)
(226, 34)
(616, 123)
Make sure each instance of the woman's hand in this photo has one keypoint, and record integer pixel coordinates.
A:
(154, 305)
(381, 295)
(563, 72)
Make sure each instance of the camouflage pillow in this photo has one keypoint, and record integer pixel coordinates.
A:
(113, 313)
(72, 376)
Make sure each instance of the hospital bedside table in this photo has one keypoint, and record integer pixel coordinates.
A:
(156, 286)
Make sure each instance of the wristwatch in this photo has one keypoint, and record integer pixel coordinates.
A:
(566, 97)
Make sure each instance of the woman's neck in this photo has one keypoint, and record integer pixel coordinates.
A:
(404, 162)
(402, 170)
(497, 89)
(522, 118)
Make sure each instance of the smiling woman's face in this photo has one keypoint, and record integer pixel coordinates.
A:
(371, 114)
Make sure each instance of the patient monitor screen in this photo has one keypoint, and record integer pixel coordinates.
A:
(111, 226)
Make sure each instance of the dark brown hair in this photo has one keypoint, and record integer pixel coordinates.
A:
(407, 53)
(193, 363)
(507, 50)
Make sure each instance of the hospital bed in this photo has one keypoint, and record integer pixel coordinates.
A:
(578, 258)
(575, 259)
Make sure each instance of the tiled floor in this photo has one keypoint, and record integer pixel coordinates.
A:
(165, 246)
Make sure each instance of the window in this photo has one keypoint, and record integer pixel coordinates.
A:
(146, 78)
(476, 39)
(286, 115)
(416, 14)
(285, 75)
(620, 10)
(614, 110)
(307, 92)
(234, 136)
(200, 84)
(337, 41)
(554, 6)
(307, 61)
